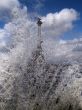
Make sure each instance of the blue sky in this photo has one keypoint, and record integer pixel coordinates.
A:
(58, 16)
(53, 5)
(44, 7)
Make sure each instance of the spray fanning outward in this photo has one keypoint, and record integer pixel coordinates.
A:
(27, 80)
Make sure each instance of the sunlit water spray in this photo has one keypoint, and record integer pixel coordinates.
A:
(27, 79)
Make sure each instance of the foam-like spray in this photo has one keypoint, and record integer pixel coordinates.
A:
(27, 80)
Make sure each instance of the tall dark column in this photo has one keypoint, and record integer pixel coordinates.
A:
(39, 23)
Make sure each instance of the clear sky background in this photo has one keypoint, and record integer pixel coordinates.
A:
(44, 7)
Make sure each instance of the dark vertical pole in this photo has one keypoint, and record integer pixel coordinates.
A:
(39, 23)
(39, 33)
